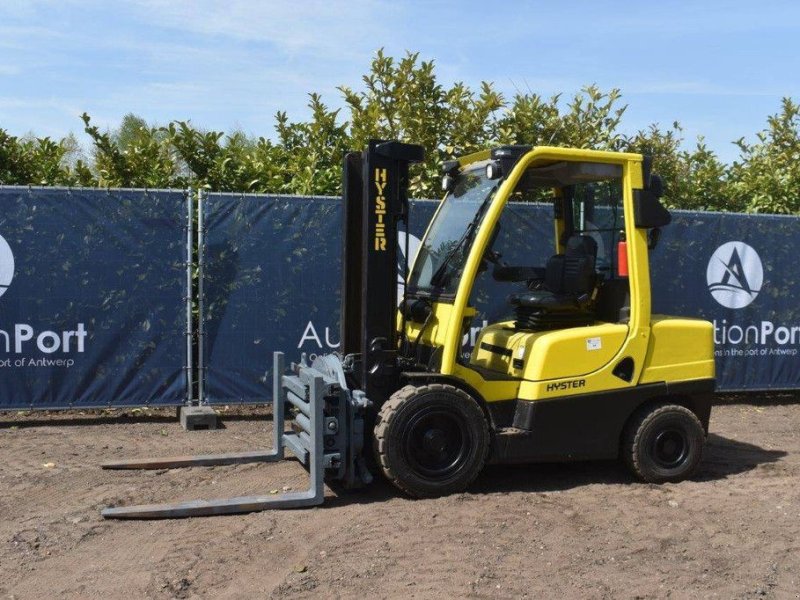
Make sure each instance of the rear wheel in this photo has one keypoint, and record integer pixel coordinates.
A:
(431, 440)
(663, 443)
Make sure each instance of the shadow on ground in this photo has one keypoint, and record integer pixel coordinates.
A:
(768, 398)
(723, 457)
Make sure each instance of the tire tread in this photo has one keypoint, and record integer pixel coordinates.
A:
(388, 414)
(636, 429)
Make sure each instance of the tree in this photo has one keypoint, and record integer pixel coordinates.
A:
(767, 178)
(235, 162)
(310, 154)
(41, 161)
(591, 120)
(693, 179)
(136, 155)
(404, 99)
(706, 184)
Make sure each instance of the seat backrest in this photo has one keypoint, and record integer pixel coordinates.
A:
(612, 296)
(573, 272)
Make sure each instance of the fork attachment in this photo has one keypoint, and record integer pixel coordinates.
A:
(327, 438)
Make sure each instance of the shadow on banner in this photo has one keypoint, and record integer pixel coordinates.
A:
(92, 298)
(272, 278)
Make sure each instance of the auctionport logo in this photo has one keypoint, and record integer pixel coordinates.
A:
(734, 275)
(15, 339)
(6, 265)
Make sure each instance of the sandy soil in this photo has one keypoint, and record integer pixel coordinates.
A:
(583, 530)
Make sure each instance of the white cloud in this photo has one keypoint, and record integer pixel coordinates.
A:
(332, 28)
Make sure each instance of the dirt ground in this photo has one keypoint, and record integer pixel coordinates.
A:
(583, 530)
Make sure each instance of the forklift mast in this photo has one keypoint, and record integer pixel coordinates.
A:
(375, 201)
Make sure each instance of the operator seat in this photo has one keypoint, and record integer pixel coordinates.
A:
(567, 292)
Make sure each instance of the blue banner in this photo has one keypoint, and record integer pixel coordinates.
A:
(273, 274)
(740, 272)
(272, 277)
(92, 291)
(92, 298)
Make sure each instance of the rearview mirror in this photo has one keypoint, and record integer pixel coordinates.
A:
(656, 185)
(648, 211)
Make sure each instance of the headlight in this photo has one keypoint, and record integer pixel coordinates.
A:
(493, 171)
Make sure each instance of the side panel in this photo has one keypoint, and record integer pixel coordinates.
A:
(574, 352)
(538, 356)
(680, 350)
(564, 362)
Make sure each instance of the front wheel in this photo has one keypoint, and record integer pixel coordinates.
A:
(663, 443)
(431, 440)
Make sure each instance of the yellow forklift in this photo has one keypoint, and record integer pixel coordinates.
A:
(579, 368)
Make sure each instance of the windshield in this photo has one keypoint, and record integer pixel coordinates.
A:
(444, 251)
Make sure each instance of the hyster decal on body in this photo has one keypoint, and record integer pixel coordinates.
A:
(563, 386)
(380, 210)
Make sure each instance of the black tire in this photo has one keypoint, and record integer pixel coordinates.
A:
(431, 440)
(663, 443)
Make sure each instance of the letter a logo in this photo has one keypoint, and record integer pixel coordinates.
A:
(6, 265)
(734, 275)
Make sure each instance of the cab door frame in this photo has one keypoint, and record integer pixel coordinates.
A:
(639, 276)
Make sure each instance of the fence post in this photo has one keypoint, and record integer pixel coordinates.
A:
(189, 320)
(201, 356)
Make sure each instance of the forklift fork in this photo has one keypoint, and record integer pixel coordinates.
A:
(305, 390)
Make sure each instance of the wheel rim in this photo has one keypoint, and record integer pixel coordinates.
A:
(669, 448)
(436, 443)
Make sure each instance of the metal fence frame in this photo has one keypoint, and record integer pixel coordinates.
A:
(201, 252)
(189, 360)
(195, 361)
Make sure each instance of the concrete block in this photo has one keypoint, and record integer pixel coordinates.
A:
(198, 417)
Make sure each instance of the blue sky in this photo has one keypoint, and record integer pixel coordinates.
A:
(717, 67)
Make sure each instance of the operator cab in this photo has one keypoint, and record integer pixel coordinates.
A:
(587, 211)
(558, 274)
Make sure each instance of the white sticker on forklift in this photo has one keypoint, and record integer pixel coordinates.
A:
(594, 343)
